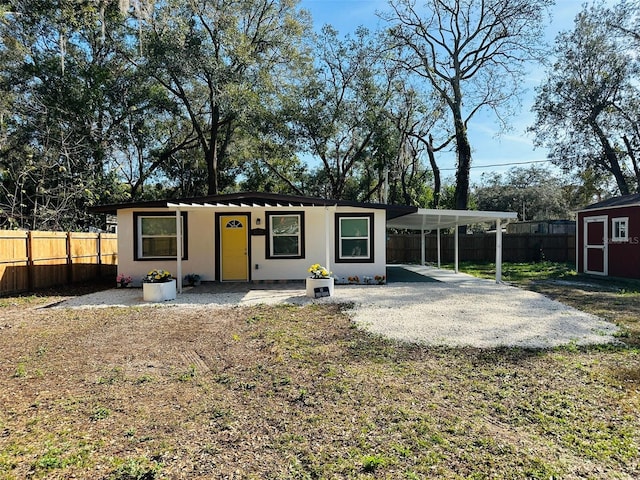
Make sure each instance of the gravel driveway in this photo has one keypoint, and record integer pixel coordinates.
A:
(458, 310)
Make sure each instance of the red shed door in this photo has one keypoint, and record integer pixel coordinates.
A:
(595, 245)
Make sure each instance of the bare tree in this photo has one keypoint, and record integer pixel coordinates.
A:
(472, 52)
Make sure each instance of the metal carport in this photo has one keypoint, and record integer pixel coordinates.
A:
(426, 219)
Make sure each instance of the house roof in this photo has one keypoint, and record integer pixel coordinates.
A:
(254, 199)
(398, 216)
(623, 201)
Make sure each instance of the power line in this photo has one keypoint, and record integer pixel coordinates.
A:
(501, 164)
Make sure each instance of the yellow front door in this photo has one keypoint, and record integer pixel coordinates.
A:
(234, 256)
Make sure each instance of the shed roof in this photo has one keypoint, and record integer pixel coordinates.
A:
(622, 201)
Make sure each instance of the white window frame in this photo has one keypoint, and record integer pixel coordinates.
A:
(342, 257)
(139, 240)
(616, 224)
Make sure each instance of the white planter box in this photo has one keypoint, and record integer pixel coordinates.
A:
(159, 292)
(319, 287)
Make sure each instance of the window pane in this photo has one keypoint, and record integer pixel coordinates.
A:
(158, 226)
(159, 247)
(619, 229)
(354, 227)
(355, 248)
(622, 229)
(285, 225)
(284, 245)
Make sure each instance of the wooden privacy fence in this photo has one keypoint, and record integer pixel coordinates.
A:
(33, 260)
(517, 247)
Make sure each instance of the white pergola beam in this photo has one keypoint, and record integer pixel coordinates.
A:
(456, 249)
(179, 250)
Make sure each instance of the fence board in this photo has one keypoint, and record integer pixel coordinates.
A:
(109, 250)
(14, 258)
(33, 260)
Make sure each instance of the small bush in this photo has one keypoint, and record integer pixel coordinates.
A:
(370, 463)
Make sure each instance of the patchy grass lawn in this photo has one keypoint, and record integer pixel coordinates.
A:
(283, 392)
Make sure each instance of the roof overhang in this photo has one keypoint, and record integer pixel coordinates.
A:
(432, 219)
(254, 200)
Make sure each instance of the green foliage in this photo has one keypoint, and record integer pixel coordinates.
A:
(342, 119)
(518, 272)
(139, 468)
(60, 457)
(534, 192)
(100, 413)
(102, 104)
(371, 463)
(99, 105)
(587, 109)
(20, 371)
(189, 375)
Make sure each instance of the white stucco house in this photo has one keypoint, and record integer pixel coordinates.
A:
(256, 237)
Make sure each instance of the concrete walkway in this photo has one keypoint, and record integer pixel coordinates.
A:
(225, 294)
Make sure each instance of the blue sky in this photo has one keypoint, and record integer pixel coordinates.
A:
(514, 146)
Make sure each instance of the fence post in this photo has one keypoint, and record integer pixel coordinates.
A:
(100, 255)
(29, 240)
(69, 260)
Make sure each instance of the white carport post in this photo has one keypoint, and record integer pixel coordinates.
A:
(498, 251)
(422, 244)
(327, 239)
(179, 250)
(457, 237)
(438, 241)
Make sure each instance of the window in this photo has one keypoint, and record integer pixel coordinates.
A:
(354, 242)
(620, 229)
(234, 224)
(286, 235)
(155, 236)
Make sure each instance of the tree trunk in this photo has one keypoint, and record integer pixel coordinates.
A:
(211, 153)
(634, 161)
(461, 195)
(437, 184)
(611, 162)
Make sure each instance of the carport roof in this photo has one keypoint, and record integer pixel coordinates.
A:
(432, 219)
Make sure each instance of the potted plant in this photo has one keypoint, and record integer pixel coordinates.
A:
(192, 279)
(123, 280)
(158, 285)
(320, 283)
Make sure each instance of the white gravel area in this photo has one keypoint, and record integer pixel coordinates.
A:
(458, 311)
